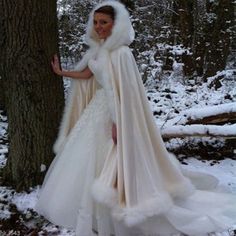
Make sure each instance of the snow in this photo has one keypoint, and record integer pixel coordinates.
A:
(200, 113)
(224, 171)
(25, 201)
(172, 96)
(199, 130)
(3, 150)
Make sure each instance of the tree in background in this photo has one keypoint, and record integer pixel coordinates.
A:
(206, 29)
(33, 94)
(129, 3)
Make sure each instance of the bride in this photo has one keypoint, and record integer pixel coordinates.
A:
(112, 172)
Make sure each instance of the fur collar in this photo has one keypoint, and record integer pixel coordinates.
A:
(122, 32)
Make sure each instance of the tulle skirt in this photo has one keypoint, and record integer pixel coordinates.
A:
(65, 198)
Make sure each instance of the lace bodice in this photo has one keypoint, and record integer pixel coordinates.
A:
(105, 82)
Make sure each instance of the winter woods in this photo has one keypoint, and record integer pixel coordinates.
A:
(186, 54)
(191, 42)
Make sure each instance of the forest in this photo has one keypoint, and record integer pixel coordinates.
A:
(185, 51)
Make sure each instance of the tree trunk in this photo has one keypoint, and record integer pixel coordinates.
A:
(33, 94)
(220, 37)
(183, 22)
(129, 3)
(2, 46)
(2, 99)
(199, 44)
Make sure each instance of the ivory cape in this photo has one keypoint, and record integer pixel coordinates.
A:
(133, 167)
(139, 179)
(132, 182)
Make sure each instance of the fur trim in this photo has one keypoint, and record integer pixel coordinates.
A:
(62, 134)
(135, 215)
(130, 215)
(122, 31)
(104, 194)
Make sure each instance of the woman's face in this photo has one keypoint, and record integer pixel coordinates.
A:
(103, 24)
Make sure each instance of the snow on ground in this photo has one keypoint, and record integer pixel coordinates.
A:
(172, 95)
(200, 113)
(224, 170)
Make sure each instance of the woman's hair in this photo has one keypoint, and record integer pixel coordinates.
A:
(108, 10)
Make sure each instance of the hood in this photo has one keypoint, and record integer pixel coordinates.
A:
(122, 31)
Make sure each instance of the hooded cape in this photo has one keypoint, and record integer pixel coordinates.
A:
(139, 178)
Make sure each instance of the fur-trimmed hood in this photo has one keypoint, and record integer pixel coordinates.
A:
(122, 31)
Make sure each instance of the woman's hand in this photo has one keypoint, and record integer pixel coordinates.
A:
(56, 65)
(114, 133)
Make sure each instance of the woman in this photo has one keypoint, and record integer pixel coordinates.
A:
(112, 171)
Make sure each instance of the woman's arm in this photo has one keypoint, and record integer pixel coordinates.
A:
(85, 74)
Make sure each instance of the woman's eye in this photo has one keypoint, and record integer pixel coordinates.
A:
(103, 22)
(95, 22)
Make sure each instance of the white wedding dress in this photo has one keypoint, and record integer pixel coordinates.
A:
(134, 188)
(66, 195)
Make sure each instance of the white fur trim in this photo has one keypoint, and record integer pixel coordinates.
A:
(130, 215)
(62, 134)
(104, 194)
(135, 215)
(122, 31)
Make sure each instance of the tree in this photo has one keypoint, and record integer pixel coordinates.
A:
(129, 3)
(33, 94)
(1, 95)
(219, 35)
(206, 28)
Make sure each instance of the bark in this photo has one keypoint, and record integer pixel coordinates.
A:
(2, 95)
(199, 44)
(216, 114)
(2, 46)
(214, 119)
(33, 94)
(206, 28)
(219, 38)
(129, 4)
(183, 23)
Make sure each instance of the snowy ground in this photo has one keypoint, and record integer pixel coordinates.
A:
(225, 171)
(168, 98)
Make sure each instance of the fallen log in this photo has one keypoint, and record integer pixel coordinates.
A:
(178, 131)
(206, 115)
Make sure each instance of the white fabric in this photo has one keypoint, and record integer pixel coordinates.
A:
(135, 187)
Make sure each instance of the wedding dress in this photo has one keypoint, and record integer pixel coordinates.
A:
(135, 187)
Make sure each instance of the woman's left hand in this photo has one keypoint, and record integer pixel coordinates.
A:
(56, 65)
(114, 133)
